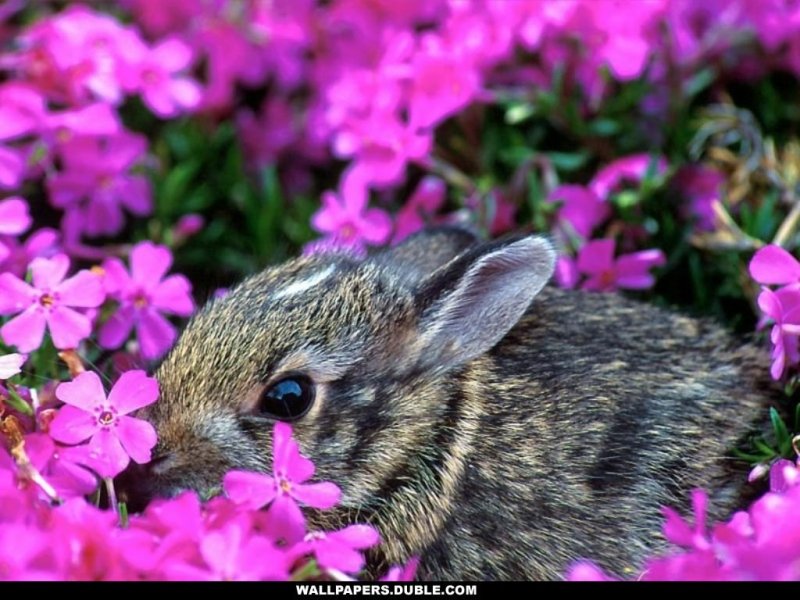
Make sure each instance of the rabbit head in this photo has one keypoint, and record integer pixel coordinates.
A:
(361, 356)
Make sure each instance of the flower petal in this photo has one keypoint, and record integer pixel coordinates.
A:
(84, 392)
(73, 425)
(10, 364)
(47, 273)
(284, 520)
(149, 263)
(281, 445)
(117, 329)
(15, 294)
(331, 555)
(84, 290)
(138, 438)
(156, 335)
(26, 330)
(251, 490)
(596, 256)
(68, 328)
(774, 265)
(317, 495)
(116, 279)
(14, 216)
(356, 536)
(133, 390)
(108, 456)
(174, 295)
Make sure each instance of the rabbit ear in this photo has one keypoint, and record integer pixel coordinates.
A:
(470, 304)
(421, 254)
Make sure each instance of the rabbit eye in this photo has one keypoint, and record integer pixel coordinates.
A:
(288, 399)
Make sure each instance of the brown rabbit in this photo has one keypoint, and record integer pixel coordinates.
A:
(495, 427)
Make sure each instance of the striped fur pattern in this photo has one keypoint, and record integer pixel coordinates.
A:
(559, 442)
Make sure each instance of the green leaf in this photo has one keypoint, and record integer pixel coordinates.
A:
(16, 402)
(604, 127)
(626, 199)
(568, 161)
(782, 436)
(518, 113)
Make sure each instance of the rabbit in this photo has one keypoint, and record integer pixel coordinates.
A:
(495, 426)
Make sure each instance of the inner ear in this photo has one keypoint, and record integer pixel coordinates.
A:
(424, 252)
(469, 305)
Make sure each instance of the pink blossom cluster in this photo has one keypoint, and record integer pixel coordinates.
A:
(51, 459)
(108, 299)
(759, 544)
(582, 210)
(64, 80)
(370, 82)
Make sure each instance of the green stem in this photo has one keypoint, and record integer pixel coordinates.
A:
(788, 227)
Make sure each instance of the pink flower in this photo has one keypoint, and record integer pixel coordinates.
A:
(48, 302)
(97, 119)
(61, 466)
(168, 533)
(679, 532)
(381, 147)
(11, 364)
(143, 296)
(114, 437)
(14, 216)
(233, 553)
(285, 487)
(154, 75)
(596, 261)
(41, 243)
(346, 216)
(442, 84)
(83, 543)
(21, 545)
(421, 206)
(581, 209)
(619, 33)
(339, 550)
(632, 168)
(97, 172)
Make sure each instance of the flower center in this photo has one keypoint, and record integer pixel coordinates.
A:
(285, 485)
(140, 300)
(150, 77)
(347, 232)
(47, 300)
(106, 417)
(63, 135)
(607, 278)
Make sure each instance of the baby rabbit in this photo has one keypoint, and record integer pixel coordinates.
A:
(494, 426)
